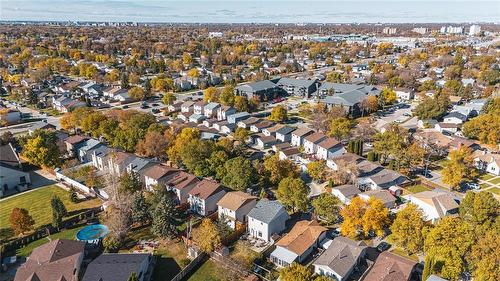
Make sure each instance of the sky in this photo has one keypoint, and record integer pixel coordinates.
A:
(257, 11)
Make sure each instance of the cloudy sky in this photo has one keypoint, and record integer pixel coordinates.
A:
(245, 11)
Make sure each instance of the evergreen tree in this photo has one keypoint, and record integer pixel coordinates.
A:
(58, 211)
(140, 209)
(164, 218)
(124, 81)
(133, 277)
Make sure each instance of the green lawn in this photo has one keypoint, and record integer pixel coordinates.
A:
(417, 188)
(209, 271)
(171, 258)
(486, 177)
(495, 181)
(403, 253)
(37, 202)
(65, 234)
(484, 185)
(494, 190)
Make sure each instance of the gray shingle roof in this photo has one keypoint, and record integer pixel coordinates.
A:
(114, 267)
(296, 82)
(342, 255)
(266, 211)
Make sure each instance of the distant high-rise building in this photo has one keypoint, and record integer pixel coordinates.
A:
(389, 30)
(452, 29)
(474, 29)
(420, 30)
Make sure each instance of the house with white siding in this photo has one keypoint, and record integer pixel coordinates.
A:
(234, 207)
(266, 219)
(311, 142)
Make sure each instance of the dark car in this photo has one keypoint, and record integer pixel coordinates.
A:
(383, 246)
(125, 106)
(155, 104)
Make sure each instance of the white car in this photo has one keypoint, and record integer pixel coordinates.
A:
(473, 185)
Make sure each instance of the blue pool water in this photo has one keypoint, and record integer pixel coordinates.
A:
(92, 232)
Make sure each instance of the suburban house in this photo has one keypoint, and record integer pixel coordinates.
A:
(455, 117)
(434, 204)
(299, 135)
(84, 149)
(298, 244)
(234, 207)
(264, 142)
(227, 128)
(329, 148)
(284, 134)
(266, 219)
(210, 110)
(340, 259)
(447, 127)
(181, 183)
(297, 87)
(264, 90)
(224, 111)
(196, 118)
(237, 117)
(99, 157)
(198, 107)
(204, 196)
(404, 95)
(73, 142)
(334, 162)
(271, 131)
(389, 266)
(289, 153)
(378, 177)
(383, 196)
(12, 177)
(118, 162)
(187, 106)
(345, 192)
(311, 142)
(487, 162)
(261, 125)
(118, 267)
(347, 96)
(247, 123)
(59, 259)
(158, 175)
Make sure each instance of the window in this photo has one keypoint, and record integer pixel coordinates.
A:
(22, 179)
(260, 233)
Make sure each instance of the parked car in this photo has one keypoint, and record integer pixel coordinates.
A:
(383, 246)
(125, 106)
(473, 185)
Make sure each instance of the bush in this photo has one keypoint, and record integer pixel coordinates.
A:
(184, 262)
(111, 244)
(73, 197)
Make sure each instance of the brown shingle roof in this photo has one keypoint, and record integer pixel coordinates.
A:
(235, 199)
(303, 235)
(390, 267)
(302, 132)
(55, 260)
(182, 180)
(315, 138)
(75, 139)
(158, 171)
(328, 143)
(205, 189)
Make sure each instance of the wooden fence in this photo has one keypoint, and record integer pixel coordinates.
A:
(185, 271)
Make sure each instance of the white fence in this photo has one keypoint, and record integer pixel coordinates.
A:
(72, 183)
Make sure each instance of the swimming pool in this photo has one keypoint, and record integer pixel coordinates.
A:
(92, 233)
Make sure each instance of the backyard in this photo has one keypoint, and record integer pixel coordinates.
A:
(37, 202)
(64, 234)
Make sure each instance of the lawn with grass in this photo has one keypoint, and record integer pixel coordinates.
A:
(209, 271)
(417, 188)
(484, 185)
(494, 190)
(495, 180)
(171, 258)
(403, 253)
(64, 234)
(37, 202)
(486, 177)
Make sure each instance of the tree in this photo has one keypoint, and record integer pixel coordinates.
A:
(407, 229)
(21, 221)
(164, 218)
(241, 134)
(459, 168)
(387, 96)
(375, 218)
(41, 149)
(140, 209)
(169, 98)
(211, 94)
(292, 192)
(124, 81)
(206, 236)
(241, 104)
(340, 128)
(484, 258)
(448, 243)
(433, 108)
(129, 183)
(193, 73)
(58, 211)
(479, 209)
(227, 97)
(137, 93)
(327, 207)
(370, 104)
(317, 170)
(278, 114)
(296, 272)
(184, 137)
(485, 128)
(279, 169)
(154, 144)
(391, 142)
(111, 244)
(133, 277)
(239, 173)
(195, 155)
